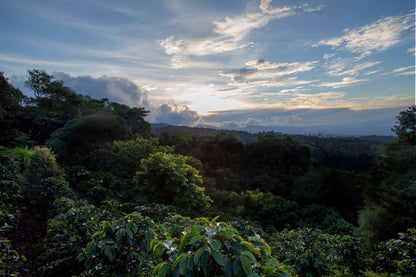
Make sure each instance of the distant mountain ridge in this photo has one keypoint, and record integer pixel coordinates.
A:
(249, 137)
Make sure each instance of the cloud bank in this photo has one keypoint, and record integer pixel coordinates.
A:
(124, 91)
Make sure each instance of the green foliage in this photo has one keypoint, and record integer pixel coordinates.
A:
(406, 126)
(67, 233)
(391, 197)
(42, 165)
(211, 248)
(397, 255)
(84, 134)
(272, 153)
(42, 194)
(314, 253)
(167, 178)
(327, 219)
(123, 158)
(266, 208)
(9, 164)
(120, 247)
(10, 260)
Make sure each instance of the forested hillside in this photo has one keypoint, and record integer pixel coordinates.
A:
(87, 189)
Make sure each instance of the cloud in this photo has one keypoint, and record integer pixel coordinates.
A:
(265, 7)
(403, 71)
(265, 73)
(174, 114)
(412, 50)
(124, 91)
(378, 36)
(341, 67)
(337, 121)
(346, 81)
(228, 35)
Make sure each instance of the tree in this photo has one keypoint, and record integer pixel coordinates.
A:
(406, 126)
(123, 158)
(391, 196)
(167, 178)
(38, 81)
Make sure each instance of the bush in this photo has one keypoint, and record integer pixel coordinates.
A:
(397, 255)
(168, 179)
(42, 165)
(120, 247)
(211, 248)
(314, 253)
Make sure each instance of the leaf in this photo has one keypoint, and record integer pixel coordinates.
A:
(184, 241)
(156, 269)
(196, 238)
(204, 220)
(129, 231)
(250, 256)
(218, 257)
(245, 263)
(228, 267)
(205, 258)
(178, 259)
(215, 245)
(215, 219)
(183, 265)
(198, 254)
(268, 270)
(110, 252)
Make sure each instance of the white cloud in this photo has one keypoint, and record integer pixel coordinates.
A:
(345, 67)
(239, 26)
(372, 72)
(267, 74)
(412, 50)
(346, 81)
(265, 7)
(402, 69)
(377, 36)
(228, 35)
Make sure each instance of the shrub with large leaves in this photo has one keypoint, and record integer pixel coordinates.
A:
(211, 248)
(397, 256)
(120, 247)
(67, 233)
(314, 253)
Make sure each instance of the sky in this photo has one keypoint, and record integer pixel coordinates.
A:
(338, 66)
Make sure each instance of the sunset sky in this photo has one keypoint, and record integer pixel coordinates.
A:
(229, 64)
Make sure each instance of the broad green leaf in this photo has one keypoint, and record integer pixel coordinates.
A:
(215, 245)
(268, 270)
(178, 259)
(205, 220)
(183, 265)
(129, 231)
(250, 256)
(245, 263)
(110, 252)
(215, 219)
(196, 238)
(184, 241)
(198, 254)
(218, 257)
(156, 269)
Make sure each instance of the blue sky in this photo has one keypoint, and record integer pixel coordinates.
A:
(204, 62)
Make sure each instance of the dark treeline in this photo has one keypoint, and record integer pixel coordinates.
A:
(86, 189)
